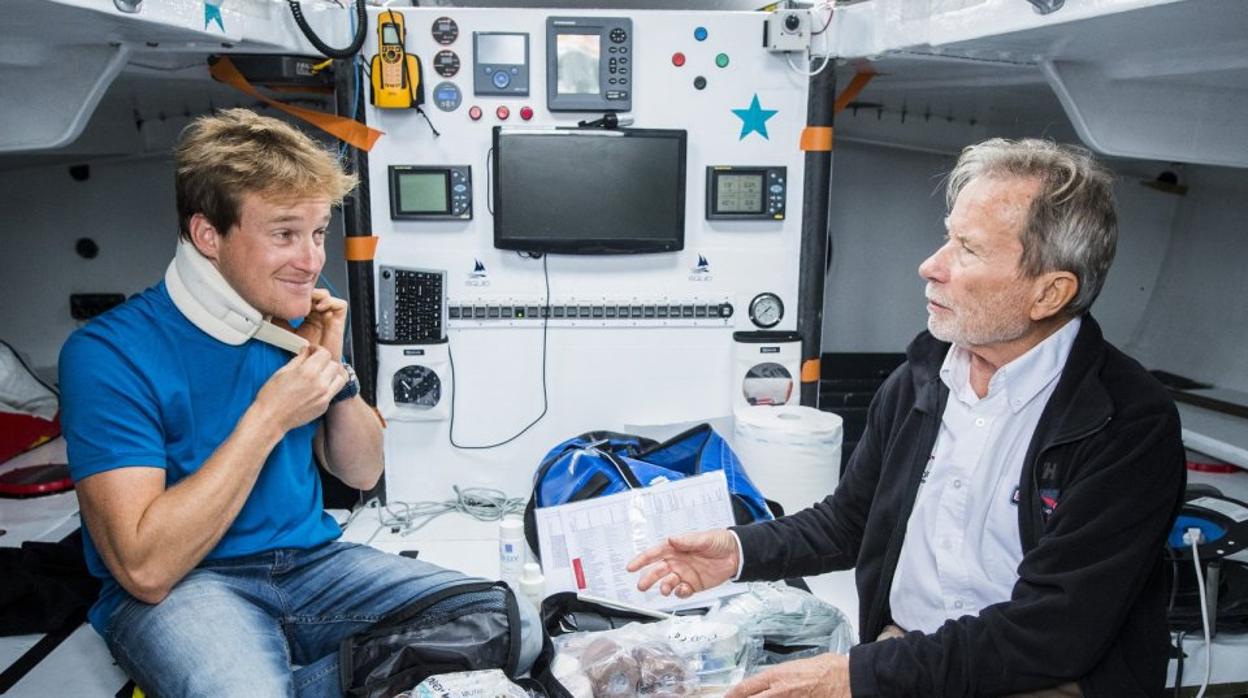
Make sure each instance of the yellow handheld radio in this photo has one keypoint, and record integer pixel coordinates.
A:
(396, 74)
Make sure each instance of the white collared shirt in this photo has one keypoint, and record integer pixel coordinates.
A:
(962, 547)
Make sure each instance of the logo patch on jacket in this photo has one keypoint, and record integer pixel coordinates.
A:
(1048, 501)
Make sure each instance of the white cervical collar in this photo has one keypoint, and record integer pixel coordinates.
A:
(211, 304)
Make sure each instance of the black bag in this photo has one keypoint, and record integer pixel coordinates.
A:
(45, 587)
(463, 628)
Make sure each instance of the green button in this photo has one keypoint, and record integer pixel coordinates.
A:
(722, 60)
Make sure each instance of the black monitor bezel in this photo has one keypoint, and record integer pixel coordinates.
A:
(609, 246)
(397, 213)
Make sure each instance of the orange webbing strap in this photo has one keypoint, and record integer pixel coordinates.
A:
(811, 371)
(361, 248)
(817, 138)
(851, 91)
(348, 130)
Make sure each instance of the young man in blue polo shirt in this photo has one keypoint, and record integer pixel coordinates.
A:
(192, 446)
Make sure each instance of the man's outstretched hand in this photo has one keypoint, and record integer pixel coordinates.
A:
(688, 563)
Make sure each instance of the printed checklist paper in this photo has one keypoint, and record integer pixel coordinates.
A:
(587, 545)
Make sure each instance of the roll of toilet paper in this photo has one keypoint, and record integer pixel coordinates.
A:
(793, 453)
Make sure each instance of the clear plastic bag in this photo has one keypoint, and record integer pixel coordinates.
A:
(489, 683)
(702, 655)
(787, 616)
(662, 660)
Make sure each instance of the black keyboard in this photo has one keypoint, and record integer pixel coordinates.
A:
(412, 306)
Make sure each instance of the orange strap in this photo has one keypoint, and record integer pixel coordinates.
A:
(348, 130)
(361, 248)
(851, 91)
(811, 371)
(818, 138)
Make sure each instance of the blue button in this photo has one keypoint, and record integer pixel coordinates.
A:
(501, 79)
(700, 33)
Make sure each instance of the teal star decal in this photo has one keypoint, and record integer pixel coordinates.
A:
(212, 11)
(754, 119)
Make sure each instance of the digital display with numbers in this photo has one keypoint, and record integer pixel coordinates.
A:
(739, 193)
(749, 192)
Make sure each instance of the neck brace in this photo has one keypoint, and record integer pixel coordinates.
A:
(211, 304)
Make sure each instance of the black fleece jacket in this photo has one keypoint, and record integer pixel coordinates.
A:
(1090, 602)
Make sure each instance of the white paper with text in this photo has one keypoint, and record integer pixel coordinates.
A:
(587, 545)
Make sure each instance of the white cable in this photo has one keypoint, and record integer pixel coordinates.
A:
(810, 74)
(480, 503)
(1192, 536)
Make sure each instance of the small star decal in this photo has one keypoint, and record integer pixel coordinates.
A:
(212, 13)
(754, 119)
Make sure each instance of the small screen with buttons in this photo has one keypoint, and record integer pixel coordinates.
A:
(589, 64)
(500, 63)
(430, 193)
(411, 306)
(745, 193)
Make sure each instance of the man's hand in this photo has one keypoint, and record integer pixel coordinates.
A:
(326, 324)
(300, 391)
(825, 676)
(689, 563)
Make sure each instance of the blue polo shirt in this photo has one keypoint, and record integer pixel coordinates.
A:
(142, 386)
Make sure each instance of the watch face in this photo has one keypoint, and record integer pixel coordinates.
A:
(766, 310)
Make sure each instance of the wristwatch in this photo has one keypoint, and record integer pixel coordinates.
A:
(351, 389)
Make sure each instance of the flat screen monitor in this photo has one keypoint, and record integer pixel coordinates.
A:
(589, 191)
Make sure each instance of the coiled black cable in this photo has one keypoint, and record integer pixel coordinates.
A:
(361, 30)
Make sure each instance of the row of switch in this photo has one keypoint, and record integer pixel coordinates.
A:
(503, 113)
(593, 312)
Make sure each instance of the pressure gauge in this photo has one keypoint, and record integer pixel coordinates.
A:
(766, 310)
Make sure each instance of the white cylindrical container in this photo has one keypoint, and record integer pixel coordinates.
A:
(792, 452)
(533, 584)
(511, 547)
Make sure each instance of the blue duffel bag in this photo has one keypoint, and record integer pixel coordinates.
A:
(599, 463)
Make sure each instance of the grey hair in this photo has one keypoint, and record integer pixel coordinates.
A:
(1071, 226)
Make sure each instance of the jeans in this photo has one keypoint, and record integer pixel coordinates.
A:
(241, 626)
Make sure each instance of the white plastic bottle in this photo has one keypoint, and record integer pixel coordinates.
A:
(533, 584)
(511, 547)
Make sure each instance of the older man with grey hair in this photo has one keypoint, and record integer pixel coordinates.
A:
(1007, 507)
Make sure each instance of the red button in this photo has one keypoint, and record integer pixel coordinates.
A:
(678, 59)
(474, 113)
(526, 113)
(502, 113)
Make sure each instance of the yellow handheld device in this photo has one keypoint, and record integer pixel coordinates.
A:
(396, 74)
